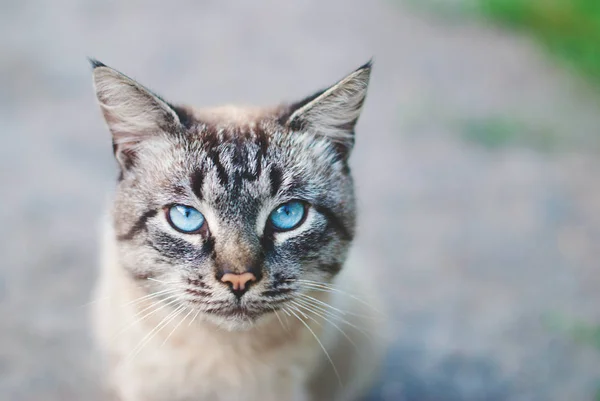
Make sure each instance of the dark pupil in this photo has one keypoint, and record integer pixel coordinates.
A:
(286, 210)
(186, 212)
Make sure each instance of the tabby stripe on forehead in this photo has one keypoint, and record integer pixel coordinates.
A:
(213, 154)
(258, 167)
(138, 226)
(196, 182)
(335, 221)
(262, 140)
(276, 177)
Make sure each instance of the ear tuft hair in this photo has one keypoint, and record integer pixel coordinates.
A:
(132, 112)
(333, 112)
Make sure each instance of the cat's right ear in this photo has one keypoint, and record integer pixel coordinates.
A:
(133, 113)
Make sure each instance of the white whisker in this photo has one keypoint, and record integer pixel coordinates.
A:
(320, 308)
(328, 288)
(325, 304)
(332, 315)
(178, 324)
(320, 344)
(134, 301)
(93, 301)
(173, 299)
(328, 321)
(163, 282)
(194, 318)
(150, 296)
(150, 335)
(303, 314)
(279, 318)
(318, 302)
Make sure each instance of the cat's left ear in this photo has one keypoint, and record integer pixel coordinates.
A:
(333, 112)
(133, 113)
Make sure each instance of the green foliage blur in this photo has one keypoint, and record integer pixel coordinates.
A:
(585, 334)
(588, 335)
(570, 28)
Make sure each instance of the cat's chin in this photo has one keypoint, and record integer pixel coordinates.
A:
(237, 321)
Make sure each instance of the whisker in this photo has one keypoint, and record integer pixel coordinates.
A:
(173, 300)
(178, 324)
(328, 321)
(163, 282)
(93, 301)
(339, 318)
(303, 314)
(320, 344)
(280, 321)
(129, 302)
(194, 318)
(316, 301)
(150, 335)
(150, 296)
(320, 308)
(287, 314)
(303, 280)
(326, 288)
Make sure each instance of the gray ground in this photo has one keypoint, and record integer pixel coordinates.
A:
(476, 165)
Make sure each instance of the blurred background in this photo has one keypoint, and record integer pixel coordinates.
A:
(477, 167)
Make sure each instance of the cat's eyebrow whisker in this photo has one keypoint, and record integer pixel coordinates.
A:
(291, 310)
(178, 324)
(150, 335)
(328, 321)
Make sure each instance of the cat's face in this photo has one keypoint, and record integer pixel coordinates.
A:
(228, 211)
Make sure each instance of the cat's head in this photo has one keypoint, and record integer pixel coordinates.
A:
(232, 211)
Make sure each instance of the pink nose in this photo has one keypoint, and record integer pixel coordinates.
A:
(238, 281)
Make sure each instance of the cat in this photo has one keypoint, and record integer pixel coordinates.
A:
(224, 272)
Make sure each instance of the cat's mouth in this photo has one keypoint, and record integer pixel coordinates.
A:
(237, 312)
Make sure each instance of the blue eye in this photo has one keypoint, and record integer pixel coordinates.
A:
(185, 218)
(288, 216)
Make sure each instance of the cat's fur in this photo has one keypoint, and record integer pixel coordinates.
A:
(194, 340)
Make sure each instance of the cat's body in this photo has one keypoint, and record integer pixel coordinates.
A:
(241, 306)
